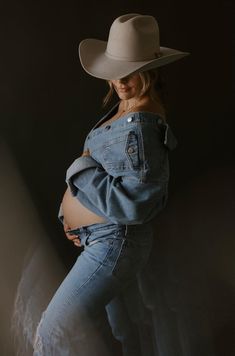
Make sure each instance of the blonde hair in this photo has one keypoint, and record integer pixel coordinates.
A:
(152, 83)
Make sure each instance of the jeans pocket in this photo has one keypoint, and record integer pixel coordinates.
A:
(99, 245)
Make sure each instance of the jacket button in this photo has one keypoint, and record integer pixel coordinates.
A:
(130, 150)
(129, 119)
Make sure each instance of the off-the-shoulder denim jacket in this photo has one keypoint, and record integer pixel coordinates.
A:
(125, 178)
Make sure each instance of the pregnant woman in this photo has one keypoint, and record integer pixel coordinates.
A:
(115, 189)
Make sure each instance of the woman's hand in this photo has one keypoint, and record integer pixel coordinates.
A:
(74, 238)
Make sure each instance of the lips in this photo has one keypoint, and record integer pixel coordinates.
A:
(122, 90)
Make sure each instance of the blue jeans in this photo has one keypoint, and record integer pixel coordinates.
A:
(91, 304)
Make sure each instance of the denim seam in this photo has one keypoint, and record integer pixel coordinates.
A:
(129, 158)
(91, 230)
(142, 154)
(119, 254)
(115, 233)
(103, 228)
(96, 270)
(102, 264)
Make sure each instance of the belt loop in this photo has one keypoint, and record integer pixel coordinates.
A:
(84, 230)
(88, 233)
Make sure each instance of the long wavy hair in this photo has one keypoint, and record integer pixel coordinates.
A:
(153, 83)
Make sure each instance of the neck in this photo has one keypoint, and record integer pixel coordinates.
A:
(127, 104)
(133, 102)
(130, 103)
(143, 103)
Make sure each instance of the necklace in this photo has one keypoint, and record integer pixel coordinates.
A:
(121, 112)
(118, 115)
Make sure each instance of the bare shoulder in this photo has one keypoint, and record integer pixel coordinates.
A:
(152, 108)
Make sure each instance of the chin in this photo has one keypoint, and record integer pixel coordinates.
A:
(124, 96)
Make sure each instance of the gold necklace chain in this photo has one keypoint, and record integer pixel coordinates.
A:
(125, 110)
(117, 115)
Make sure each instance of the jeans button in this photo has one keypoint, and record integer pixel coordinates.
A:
(107, 127)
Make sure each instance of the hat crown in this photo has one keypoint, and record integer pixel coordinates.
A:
(134, 37)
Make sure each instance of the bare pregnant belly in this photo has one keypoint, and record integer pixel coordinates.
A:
(76, 214)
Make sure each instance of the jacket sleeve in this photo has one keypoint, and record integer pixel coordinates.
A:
(133, 198)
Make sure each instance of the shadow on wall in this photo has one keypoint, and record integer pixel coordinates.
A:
(30, 271)
(189, 283)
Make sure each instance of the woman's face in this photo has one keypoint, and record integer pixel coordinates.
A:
(128, 87)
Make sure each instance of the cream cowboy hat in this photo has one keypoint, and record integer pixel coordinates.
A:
(133, 45)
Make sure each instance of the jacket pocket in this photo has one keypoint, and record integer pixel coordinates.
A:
(122, 153)
(132, 150)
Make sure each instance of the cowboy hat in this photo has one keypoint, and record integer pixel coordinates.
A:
(133, 45)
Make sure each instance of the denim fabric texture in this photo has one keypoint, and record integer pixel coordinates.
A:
(125, 178)
(96, 299)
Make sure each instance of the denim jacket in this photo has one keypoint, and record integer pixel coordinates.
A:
(125, 178)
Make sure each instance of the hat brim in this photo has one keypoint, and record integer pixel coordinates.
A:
(96, 63)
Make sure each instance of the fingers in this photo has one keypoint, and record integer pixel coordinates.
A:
(74, 238)
(70, 236)
(77, 242)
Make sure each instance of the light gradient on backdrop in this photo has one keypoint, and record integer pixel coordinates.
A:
(30, 270)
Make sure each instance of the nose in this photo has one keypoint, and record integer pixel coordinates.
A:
(120, 83)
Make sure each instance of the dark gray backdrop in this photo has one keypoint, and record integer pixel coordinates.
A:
(48, 104)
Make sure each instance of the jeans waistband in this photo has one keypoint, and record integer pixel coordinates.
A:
(88, 229)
